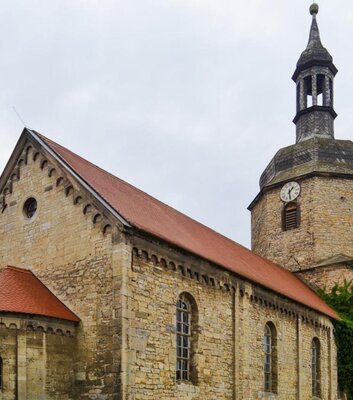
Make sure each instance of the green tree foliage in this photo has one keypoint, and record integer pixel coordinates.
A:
(340, 298)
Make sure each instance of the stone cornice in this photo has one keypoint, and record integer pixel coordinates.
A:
(25, 322)
(315, 108)
(280, 183)
(315, 63)
(161, 257)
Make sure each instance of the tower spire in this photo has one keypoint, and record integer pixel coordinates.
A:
(314, 77)
(314, 37)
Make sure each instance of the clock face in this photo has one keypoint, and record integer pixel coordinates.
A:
(290, 191)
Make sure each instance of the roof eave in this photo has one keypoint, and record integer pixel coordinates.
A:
(32, 316)
(332, 315)
(314, 63)
(310, 174)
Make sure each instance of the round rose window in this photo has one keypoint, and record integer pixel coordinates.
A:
(30, 207)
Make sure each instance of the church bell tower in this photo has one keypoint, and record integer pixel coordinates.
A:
(314, 77)
(302, 217)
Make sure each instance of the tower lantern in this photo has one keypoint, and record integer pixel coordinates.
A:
(302, 217)
(314, 77)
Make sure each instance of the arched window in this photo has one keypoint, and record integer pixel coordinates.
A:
(183, 333)
(270, 358)
(315, 367)
(186, 338)
(290, 216)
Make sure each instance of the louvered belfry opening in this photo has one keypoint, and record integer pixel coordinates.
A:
(290, 216)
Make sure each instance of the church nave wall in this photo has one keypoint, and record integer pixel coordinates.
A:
(227, 360)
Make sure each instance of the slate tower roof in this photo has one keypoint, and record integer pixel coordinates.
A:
(316, 151)
(315, 52)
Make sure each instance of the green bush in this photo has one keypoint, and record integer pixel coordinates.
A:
(340, 298)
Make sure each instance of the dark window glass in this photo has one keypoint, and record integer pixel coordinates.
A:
(270, 358)
(267, 361)
(183, 339)
(30, 207)
(315, 367)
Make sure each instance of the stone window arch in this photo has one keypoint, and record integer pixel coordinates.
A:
(315, 368)
(270, 358)
(186, 338)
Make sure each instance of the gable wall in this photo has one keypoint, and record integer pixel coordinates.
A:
(73, 258)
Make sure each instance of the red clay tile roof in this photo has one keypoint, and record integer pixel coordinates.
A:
(156, 218)
(22, 292)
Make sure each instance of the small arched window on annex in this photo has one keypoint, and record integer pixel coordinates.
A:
(315, 368)
(290, 216)
(270, 358)
(186, 338)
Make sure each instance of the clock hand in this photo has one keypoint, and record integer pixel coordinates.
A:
(289, 192)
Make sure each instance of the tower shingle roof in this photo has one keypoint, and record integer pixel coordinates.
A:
(22, 292)
(153, 217)
(314, 51)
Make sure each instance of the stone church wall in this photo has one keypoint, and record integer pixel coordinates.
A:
(326, 225)
(327, 276)
(154, 294)
(231, 317)
(294, 249)
(37, 358)
(8, 349)
(73, 258)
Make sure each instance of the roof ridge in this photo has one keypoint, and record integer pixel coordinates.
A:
(136, 188)
(85, 159)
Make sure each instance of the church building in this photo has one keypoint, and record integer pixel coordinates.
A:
(107, 293)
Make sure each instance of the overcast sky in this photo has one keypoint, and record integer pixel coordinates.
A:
(186, 99)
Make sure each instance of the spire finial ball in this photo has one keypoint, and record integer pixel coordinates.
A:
(314, 8)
